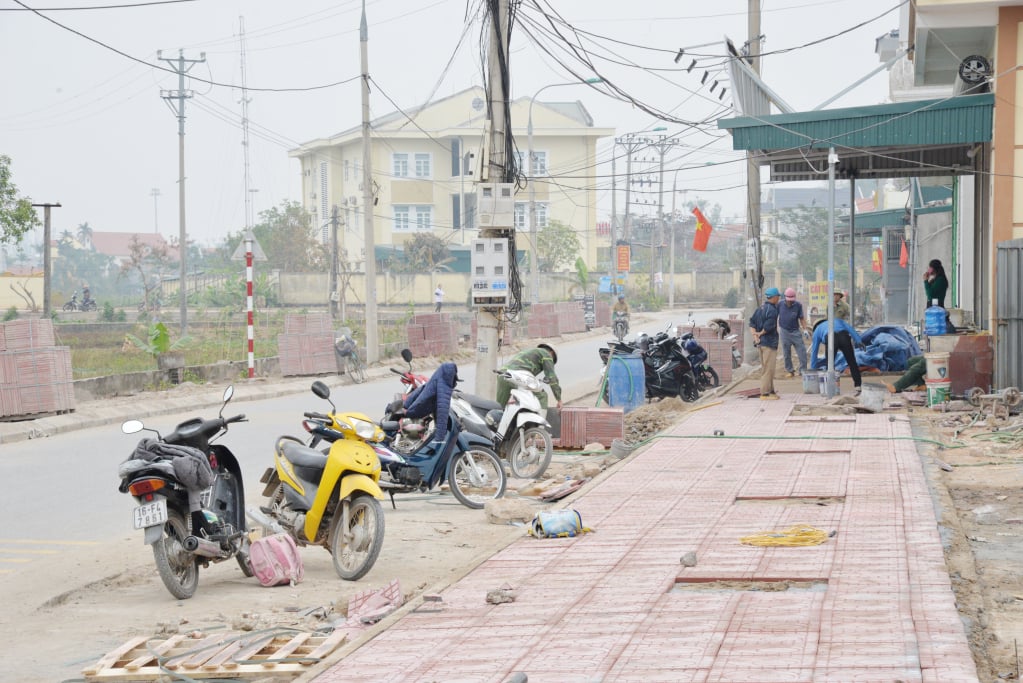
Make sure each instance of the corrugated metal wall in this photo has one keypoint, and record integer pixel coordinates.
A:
(1009, 314)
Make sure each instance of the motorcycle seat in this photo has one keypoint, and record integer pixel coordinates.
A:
(480, 402)
(301, 456)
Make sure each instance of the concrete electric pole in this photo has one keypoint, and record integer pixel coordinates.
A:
(181, 66)
(372, 343)
(754, 250)
(46, 256)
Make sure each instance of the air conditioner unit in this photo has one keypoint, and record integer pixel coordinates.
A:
(495, 205)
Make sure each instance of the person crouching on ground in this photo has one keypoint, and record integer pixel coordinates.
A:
(763, 325)
(916, 368)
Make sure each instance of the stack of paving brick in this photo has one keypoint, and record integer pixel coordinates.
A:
(571, 317)
(581, 426)
(603, 312)
(719, 355)
(543, 321)
(307, 345)
(432, 334)
(35, 374)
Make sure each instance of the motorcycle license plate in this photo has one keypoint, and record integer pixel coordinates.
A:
(150, 514)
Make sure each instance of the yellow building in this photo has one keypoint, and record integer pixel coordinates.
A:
(426, 163)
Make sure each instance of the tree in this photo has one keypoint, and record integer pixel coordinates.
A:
(557, 245)
(148, 263)
(84, 234)
(17, 217)
(805, 239)
(288, 239)
(425, 252)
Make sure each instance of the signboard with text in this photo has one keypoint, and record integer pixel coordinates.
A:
(818, 298)
(623, 258)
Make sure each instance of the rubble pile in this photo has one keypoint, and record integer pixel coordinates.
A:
(652, 418)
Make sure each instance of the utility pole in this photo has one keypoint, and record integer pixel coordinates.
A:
(612, 268)
(334, 296)
(662, 145)
(499, 79)
(245, 131)
(155, 192)
(372, 344)
(754, 251)
(46, 256)
(181, 66)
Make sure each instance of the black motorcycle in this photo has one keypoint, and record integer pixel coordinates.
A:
(191, 501)
(666, 368)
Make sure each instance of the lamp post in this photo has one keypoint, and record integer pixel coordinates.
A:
(534, 264)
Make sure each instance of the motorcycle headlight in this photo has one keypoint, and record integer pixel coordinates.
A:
(365, 430)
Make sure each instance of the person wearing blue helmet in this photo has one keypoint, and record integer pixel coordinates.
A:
(763, 325)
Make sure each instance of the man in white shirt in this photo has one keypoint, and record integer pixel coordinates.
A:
(438, 298)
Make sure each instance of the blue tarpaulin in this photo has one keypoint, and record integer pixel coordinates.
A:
(888, 348)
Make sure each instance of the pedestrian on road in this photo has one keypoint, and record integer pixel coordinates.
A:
(541, 359)
(792, 327)
(438, 298)
(763, 325)
(845, 337)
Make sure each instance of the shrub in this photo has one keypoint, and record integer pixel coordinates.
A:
(12, 313)
(731, 298)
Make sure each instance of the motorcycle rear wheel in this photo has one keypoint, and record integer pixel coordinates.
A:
(355, 549)
(708, 378)
(178, 568)
(687, 390)
(475, 476)
(531, 453)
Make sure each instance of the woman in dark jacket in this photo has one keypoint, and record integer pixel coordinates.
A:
(935, 283)
(434, 398)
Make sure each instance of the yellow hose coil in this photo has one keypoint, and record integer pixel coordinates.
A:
(793, 536)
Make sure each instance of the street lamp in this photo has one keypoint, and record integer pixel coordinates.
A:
(535, 262)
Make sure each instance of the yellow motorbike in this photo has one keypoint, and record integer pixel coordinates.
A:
(329, 498)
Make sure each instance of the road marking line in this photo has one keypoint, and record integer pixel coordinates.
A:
(23, 551)
(13, 560)
(29, 541)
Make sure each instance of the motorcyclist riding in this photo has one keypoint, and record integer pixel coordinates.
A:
(621, 307)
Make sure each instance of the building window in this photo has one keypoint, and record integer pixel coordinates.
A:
(347, 169)
(423, 166)
(456, 157)
(401, 216)
(400, 165)
(522, 215)
(539, 165)
(456, 211)
(324, 194)
(424, 218)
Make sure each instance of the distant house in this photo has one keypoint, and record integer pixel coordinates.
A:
(118, 244)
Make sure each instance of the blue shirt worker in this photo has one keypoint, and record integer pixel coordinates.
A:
(792, 328)
(845, 337)
(763, 325)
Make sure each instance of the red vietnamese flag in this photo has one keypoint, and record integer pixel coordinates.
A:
(903, 255)
(875, 260)
(703, 229)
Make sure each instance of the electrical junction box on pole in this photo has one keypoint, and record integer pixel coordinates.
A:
(490, 265)
(495, 205)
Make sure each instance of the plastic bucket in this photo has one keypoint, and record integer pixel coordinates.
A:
(822, 384)
(938, 391)
(937, 365)
(626, 381)
(811, 382)
(872, 397)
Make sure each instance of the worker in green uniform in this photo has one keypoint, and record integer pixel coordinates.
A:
(541, 359)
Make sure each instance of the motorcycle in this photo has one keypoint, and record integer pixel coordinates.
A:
(410, 463)
(72, 303)
(724, 331)
(190, 498)
(89, 304)
(329, 498)
(706, 376)
(520, 433)
(620, 325)
(666, 368)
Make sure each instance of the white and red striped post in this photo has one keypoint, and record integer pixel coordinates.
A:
(248, 300)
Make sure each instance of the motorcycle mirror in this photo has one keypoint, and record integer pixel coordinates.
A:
(132, 427)
(321, 390)
(406, 355)
(228, 393)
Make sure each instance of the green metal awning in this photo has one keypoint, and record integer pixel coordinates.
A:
(921, 138)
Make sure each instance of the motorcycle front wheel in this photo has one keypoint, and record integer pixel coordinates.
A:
(355, 547)
(178, 568)
(531, 453)
(475, 476)
(70, 307)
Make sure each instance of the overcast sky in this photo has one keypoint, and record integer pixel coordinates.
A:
(85, 125)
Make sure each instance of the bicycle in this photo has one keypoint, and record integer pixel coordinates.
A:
(349, 360)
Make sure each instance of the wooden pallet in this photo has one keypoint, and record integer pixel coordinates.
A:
(239, 655)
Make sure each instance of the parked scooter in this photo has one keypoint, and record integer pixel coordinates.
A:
(464, 461)
(329, 499)
(706, 376)
(190, 497)
(520, 432)
(667, 371)
(72, 303)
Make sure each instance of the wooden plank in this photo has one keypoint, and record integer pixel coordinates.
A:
(224, 657)
(112, 657)
(199, 653)
(249, 648)
(285, 651)
(331, 643)
(154, 653)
